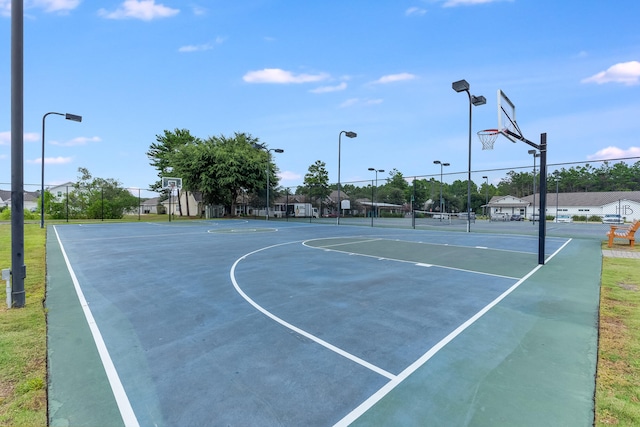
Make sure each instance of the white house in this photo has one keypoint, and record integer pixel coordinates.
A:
(624, 203)
(30, 200)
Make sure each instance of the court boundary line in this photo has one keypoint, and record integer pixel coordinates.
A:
(387, 388)
(418, 264)
(122, 400)
(294, 328)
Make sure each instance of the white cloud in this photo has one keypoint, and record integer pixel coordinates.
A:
(415, 11)
(5, 7)
(276, 75)
(82, 140)
(199, 10)
(326, 89)
(289, 176)
(627, 73)
(56, 5)
(615, 153)
(351, 102)
(48, 6)
(145, 10)
(52, 160)
(201, 47)
(196, 48)
(5, 137)
(454, 3)
(391, 78)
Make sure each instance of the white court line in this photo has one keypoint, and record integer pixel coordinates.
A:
(386, 389)
(419, 264)
(306, 334)
(122, 400)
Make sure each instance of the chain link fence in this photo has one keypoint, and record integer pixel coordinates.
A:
(596, 194)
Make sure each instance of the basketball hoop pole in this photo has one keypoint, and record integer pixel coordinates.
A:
(542, 223)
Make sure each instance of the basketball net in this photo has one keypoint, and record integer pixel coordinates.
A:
(488, 137)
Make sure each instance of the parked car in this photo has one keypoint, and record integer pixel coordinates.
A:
(564, 218)
(612, 219)
(516, 218)
(500, 216)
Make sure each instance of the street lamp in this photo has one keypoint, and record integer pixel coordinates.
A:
(535, 154)
(438, 162)
(376, 193)
(348, 134)
(463, 86)
(268, 150)
(486, 193)
(557, 180)
(72, 117)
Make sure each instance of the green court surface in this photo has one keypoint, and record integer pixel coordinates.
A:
(224, 323)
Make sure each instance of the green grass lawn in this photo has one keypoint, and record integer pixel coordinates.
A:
(618, 380)
(23, 372)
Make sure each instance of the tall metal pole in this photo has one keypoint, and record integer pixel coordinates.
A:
(463, 86)
(268, 171)
(543, 197)
(486, 194)
(557, 180)
(350, 135)
(42, 171)
(469, 171)
(68, 116)
(18, 267)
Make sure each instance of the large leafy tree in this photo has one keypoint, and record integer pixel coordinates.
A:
(223, 167)
(161, 153)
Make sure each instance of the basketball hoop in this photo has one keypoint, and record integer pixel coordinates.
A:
(488, 137)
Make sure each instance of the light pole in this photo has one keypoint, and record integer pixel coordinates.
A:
(557, 180)
(268, 150)
(486, 194)
(438, 162)
(376, 193)
(535, 154)
(67, 116)
(348, 134)
(463, 86)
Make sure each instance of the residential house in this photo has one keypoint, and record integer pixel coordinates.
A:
(624, 203)
(30, 200)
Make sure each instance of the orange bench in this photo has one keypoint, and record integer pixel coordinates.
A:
(628, 233)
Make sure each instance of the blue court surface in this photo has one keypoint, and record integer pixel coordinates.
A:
(265, 323)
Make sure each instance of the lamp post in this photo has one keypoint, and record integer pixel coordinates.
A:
(268, 150)
(535, 154)
(463, 86)
(67, 116)
(375, 201)
(557, 180)
(486, 193)
(348, 134)
(438, 162)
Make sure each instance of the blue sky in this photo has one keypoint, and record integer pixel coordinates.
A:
(296, 73)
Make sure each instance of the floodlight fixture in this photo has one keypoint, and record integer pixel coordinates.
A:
(460, 85)
(349, 134)
(478, 100)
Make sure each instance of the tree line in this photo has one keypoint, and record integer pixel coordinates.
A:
(224, 168)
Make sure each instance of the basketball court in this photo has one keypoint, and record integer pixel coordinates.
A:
(274, 323)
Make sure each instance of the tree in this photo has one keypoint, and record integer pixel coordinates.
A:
(396, 189)
(94, 198)
(222, 167)
(317, 181)
(161, 153)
